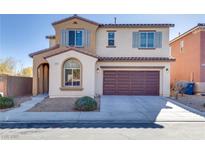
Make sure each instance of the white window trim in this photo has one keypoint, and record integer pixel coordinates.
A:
(111, 39)
(72, 69)
(146, 40)
(72, 77)
(79, 46)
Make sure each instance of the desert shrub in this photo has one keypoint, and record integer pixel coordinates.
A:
(86, 104)
(6, 102)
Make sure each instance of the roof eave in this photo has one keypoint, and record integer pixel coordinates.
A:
(72, 17)
(135, 25)
(73, 49)
(187, 32)
(136, 59)
(44, 50)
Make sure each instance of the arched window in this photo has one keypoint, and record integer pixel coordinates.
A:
(72, 73)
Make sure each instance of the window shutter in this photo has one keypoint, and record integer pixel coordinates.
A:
(158, 39)
(63, 37)
(67, 37)
(135, 39)
(87, 38)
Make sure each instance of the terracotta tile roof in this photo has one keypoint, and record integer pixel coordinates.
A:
(199, 25)
(44, 50)
(134, 25)
(114, 25)
(66, 49)
(75, 16)
(140, 59)
(104, 59)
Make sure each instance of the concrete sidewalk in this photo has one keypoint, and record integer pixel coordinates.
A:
(142, 109)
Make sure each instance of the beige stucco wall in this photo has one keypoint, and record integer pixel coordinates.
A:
(164, 75)
(55, 75)
(37, 61)
(123, 43)
(78, 24)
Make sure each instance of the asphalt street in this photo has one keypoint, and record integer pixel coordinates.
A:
(103, 131)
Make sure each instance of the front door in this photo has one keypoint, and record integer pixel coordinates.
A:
(43, 79)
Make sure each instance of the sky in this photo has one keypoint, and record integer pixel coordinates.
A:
(24, 34)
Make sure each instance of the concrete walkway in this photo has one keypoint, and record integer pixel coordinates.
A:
(113, 108)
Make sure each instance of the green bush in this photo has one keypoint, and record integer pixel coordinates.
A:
(86, 104)
(6, 102)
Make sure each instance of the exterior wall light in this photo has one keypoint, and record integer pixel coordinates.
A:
(98, 70)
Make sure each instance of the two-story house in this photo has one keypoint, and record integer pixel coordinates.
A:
(86, 58)
(189, 51)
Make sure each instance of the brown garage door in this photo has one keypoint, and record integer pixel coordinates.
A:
(131, 83)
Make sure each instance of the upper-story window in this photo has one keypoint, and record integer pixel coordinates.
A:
(111, 38)
(147, 40)
(75, 38)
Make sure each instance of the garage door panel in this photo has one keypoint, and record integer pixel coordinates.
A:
(131, 83)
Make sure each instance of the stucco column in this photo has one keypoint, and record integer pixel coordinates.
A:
(35, 80)
(166, 78)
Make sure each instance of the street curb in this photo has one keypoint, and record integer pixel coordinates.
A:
(76, 121)
(96, 121)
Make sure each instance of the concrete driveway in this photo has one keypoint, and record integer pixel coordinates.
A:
(146, 108)
(113, 108)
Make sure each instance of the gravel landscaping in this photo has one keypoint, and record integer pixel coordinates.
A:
(194, 101)
(59, 105)
(17, 102)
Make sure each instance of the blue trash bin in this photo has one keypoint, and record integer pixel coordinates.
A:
(189, 90)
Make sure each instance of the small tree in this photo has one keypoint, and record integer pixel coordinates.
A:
(8, 66)
(28, 71)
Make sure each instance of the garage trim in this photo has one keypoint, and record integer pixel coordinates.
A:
(132, 67)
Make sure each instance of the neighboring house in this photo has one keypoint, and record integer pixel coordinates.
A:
(189, 51)
(88, 58)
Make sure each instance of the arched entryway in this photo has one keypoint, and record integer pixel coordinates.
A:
(43, 78)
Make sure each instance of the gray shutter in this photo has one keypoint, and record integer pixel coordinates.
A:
(63, 37)
(158, 39)
(67, 37)
(135, 39)
(87, 38)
